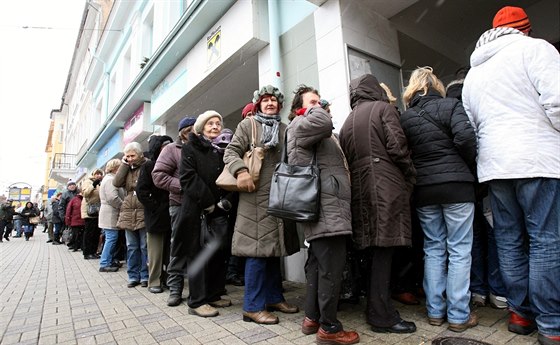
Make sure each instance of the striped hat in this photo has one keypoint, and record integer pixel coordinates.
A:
(512, 17)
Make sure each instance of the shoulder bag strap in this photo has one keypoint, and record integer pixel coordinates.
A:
(253, 132)
(285, 150)
(421, 112)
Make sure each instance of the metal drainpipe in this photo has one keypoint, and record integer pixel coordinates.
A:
(274, 39)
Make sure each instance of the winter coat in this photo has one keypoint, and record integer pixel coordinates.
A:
(55, 216)
(154, 199)
(381, 169)
(256, 234)
(111, 200)
(309, 133)
(27, 213)
(512, 96)
(64, 200)
(73, 212)
(91, 195)
(48, 213)
(438, 156)
(200, 166)
(166, 172)
(131, 216)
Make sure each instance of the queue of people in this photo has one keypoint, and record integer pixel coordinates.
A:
(385, 169)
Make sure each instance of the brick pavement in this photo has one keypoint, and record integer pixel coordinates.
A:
(49, 295)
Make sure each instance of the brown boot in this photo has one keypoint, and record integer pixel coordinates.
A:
(338, 338)
(282, 307)
(261, 317)
(461, 327)
(309, 326)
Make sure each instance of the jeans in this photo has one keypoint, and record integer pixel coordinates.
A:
(263, 283)
(485, 271)
(111, 237)
(448, 236)
(57, 232)
(137, 255)
(526, 214)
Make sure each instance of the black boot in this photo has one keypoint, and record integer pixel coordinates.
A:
(175, 282)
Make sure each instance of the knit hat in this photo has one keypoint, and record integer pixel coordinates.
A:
(512, 17)
(267, 90)
(249, 108)
(70, 183)
(186, 122)
(203, 118)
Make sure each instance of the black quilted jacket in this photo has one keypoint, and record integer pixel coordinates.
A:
(438, 156)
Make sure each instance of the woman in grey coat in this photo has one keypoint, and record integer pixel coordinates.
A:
(310, 134)
(111, 200)
(257, 236)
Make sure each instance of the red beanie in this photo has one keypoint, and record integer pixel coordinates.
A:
(512, 17)
(249, 108)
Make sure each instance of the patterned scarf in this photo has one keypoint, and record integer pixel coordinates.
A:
(270, 126)
(492, 34)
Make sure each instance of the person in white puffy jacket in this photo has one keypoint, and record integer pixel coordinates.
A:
(512, 96)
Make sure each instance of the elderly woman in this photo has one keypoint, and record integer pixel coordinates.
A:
(90, 191)
(257, 236)
(201, 164)
(111, 199)
(443, 145)
(131, 216)
(27, 212)
(310, 135)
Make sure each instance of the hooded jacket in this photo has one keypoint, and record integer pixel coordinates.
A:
(131, 216)
(309, 133)
(512, 96)
(381, 169)
(154, 199)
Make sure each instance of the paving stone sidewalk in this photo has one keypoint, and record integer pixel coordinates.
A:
(50, 295)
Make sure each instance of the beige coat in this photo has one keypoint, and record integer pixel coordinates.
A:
(91, 195)
(131, 216)
(256, 233)
(111, 200)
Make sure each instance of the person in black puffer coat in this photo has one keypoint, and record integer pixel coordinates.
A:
(443, 145)
(156, 216)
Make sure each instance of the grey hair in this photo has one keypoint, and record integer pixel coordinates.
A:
(133, 146)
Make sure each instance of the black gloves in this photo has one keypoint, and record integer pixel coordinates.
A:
(96, 183)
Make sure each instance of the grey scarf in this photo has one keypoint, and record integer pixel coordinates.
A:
(270, 128)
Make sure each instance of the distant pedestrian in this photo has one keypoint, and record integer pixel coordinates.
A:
(28, 212)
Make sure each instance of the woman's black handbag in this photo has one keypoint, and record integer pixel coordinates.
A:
(93, 209)
(295, 190)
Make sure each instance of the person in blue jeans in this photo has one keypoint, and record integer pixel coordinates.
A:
(518, 131)
(487, 286)
(443, 146)
(131, 216)
(111, 198)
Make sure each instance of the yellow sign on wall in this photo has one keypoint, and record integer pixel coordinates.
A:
(213, 46)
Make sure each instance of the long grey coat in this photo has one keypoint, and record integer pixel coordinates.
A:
(111, 200)
(314, 130)
(256, 234)
(381, 169)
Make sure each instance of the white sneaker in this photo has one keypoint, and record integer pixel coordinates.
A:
(498, 302)
(478, 300)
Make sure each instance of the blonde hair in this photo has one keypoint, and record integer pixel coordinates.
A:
(421, 79)
(112, 165)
